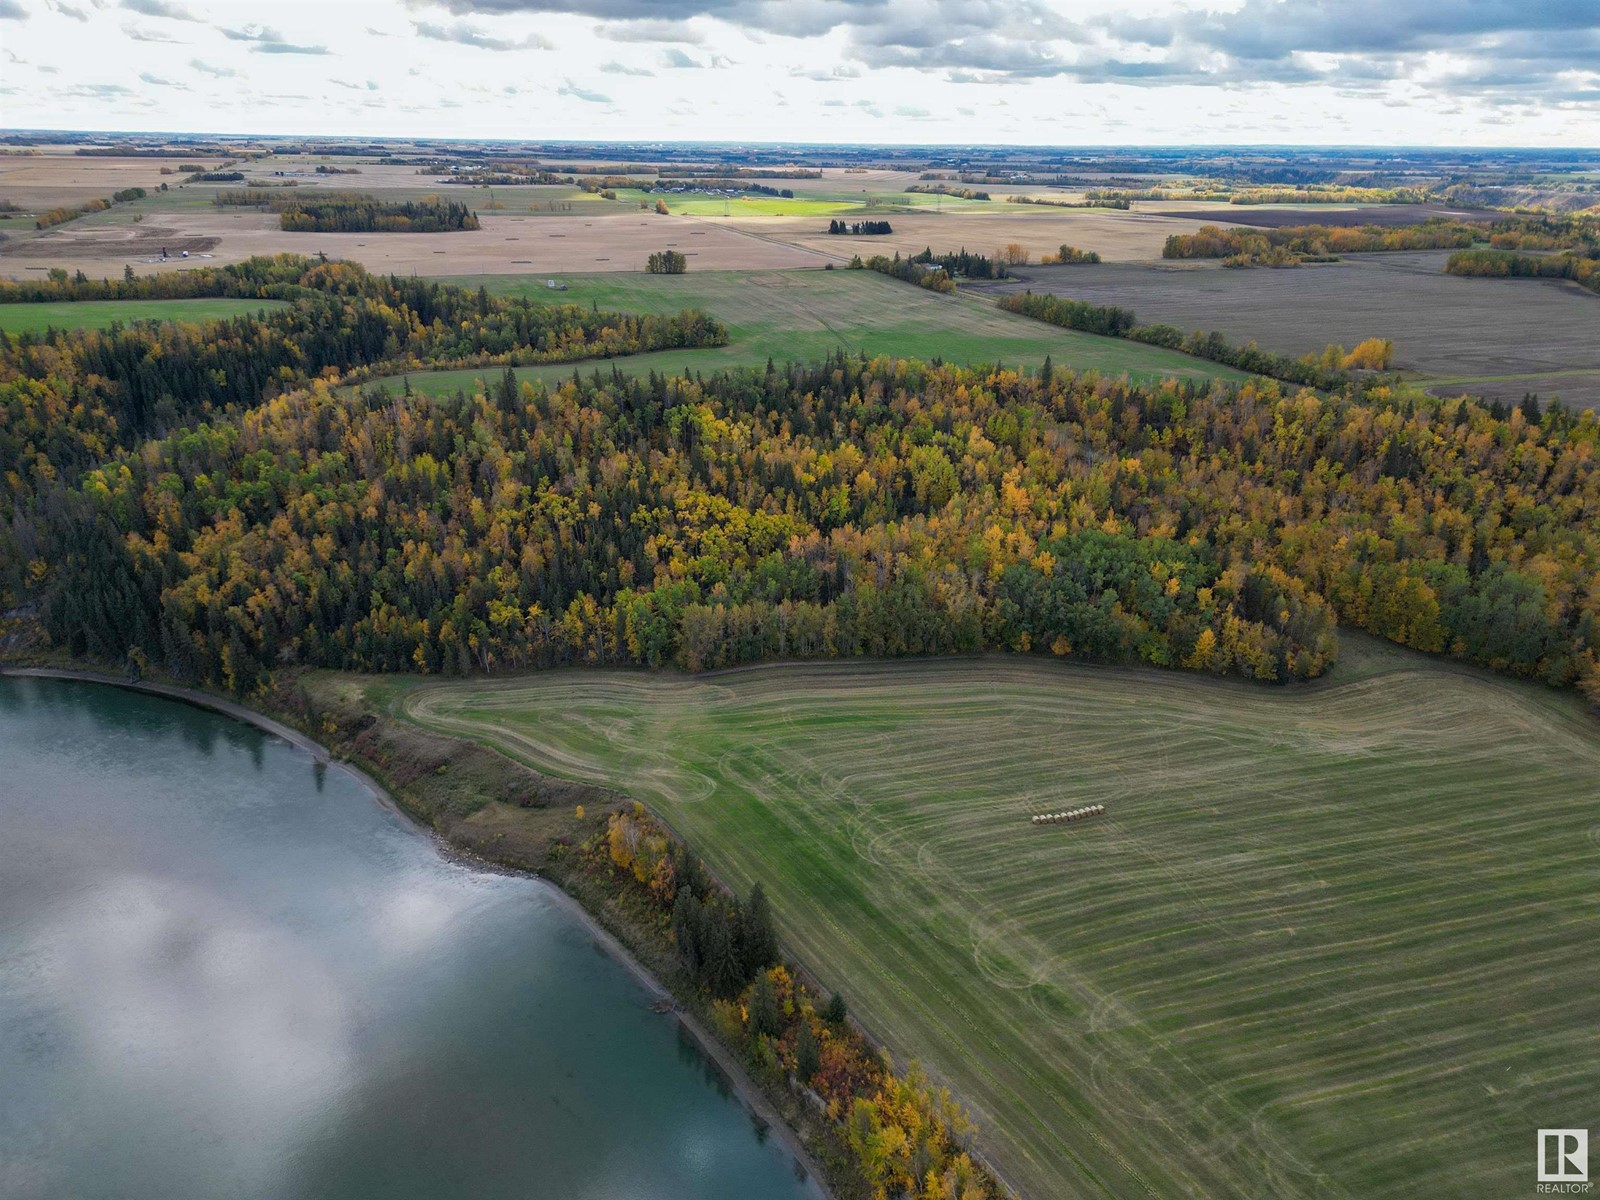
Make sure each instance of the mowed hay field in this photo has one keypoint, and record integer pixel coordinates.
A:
(98, 314)
(793, 316)
(1500, 337)
(1330, 941)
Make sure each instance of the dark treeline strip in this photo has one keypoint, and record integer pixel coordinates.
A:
(341, 213)
(1505, 264)
(749, 172)
(69, 399)
(712, 184)
(849, 508)
(60, 216)
(905, 269)
(945, 189)
(263, 278)
(1113, 321)
(860, 228)
(1117, 202)
(1292, 244)
(960, 262)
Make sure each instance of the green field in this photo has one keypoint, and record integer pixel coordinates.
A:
(1336, 941)
(804, 315)
(97, 314)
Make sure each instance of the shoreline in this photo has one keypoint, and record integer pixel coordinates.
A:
(716, 1055)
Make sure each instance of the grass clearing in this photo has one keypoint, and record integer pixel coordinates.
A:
(1328, 941)
(98, 314)
(803, 315)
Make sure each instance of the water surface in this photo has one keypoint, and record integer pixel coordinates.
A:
(228, 972)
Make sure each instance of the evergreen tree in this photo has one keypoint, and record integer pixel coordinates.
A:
(807, 1055)
(766, 1020)
(836, 1012)
(759, 941)
(688, 920)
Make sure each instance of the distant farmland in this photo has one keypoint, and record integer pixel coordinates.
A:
(97, 314)
(805, 315)
(1513, 335)
(1336, 941)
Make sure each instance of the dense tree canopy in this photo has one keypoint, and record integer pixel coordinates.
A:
(881, 508)
(68, 399)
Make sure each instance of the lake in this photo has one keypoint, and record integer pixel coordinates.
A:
(227, 971)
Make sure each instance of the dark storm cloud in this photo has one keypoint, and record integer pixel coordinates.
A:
(1273, 29)
(468, 35)
(1494, 44)
(1377, 40)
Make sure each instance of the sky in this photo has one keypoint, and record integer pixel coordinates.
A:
(1035, 72)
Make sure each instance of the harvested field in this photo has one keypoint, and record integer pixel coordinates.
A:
(1519, 332)
(1276, 216)
(97, 314)
(39, 182)
(1115, 236)
(797, 315)
(532, 245)
(1331, 941)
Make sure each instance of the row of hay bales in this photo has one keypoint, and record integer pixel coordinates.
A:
(1076, 814)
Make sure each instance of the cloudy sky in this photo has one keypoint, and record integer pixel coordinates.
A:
(1460, 72)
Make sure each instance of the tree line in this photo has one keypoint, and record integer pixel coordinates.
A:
(61, 215)
(945, 189)
(350, 213)
(1505, 264)
(1290, 245)
(863, 228)
(964, 264)
(896, 1132)
(1328, 370)
(70, 399)
(667, 262)
(845, 508)
(924, 275)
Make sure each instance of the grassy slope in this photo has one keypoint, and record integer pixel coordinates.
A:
(801, 315)
(1336, 941)
(97, 314)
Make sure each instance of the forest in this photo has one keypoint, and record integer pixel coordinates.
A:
(1290, 245)
(340, 212)
(962, 264)
(843, 508)
(69, 399)
(924, 274)
(1582, 269)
